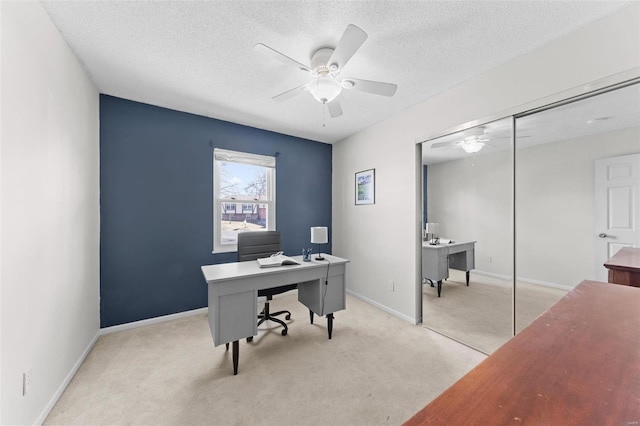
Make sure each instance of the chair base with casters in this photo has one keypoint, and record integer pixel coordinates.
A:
(266, 315)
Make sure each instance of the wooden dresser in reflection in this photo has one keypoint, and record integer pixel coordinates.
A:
(624, 267)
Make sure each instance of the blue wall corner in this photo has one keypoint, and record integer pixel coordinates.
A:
(424, 196)
(156, 206)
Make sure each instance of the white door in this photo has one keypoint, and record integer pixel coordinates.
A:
(617, 200)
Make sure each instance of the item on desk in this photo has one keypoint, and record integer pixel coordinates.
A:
(319, 235)
(276, 259)
(446, 241)
(433, 229)
(306, 255)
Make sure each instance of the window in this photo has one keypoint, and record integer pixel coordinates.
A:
(243, 196)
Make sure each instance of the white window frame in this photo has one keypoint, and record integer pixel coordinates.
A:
(268, 162)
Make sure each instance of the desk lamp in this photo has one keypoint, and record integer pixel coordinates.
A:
(434, 230)
(319, 235)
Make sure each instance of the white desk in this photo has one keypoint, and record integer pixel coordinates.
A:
(233, 294)
(437, 259)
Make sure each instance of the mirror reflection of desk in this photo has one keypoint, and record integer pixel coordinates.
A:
(438, 258)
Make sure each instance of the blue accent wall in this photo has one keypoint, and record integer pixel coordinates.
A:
(156, 203)
(424, 196)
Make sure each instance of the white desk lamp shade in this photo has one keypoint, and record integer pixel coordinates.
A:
(432, 228)
(319, 235)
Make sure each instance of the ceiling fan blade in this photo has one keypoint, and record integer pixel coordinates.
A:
(509, 137)
(375, 87)
(349, 43)
(335, 110)
(445, 144)
(280, 57)
(290, 93)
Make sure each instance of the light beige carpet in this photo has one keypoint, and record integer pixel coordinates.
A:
(481, 315)
(377, 369)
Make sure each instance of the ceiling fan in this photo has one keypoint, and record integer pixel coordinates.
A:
(473, 141)
(326, 64)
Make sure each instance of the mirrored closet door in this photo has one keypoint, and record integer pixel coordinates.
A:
(467, 247)
(575, 169)
(567, 185)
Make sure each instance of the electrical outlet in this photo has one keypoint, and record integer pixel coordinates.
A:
(27, 378)
(391, 285)
(488, 259)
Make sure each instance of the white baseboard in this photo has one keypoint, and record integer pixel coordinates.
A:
(157, 320)
(54, 399)
(383, 307)
(523, 279)
(150, 321)
(108, 330)
(545, 284)
(492, 274)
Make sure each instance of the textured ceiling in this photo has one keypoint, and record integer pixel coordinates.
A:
(198, 56)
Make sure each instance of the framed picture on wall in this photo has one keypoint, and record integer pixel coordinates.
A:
(366, 187)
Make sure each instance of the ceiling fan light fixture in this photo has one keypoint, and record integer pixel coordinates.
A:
(472, 146)
(324, 89)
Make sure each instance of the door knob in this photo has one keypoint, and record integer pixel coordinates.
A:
(602, 235)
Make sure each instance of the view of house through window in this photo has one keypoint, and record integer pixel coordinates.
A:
(244, 196)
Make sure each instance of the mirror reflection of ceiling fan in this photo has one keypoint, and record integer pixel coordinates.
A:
(473, 140)
(326, 64)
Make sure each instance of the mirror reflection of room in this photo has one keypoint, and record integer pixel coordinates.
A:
(575, 175)
(468, 188)
(568, 198)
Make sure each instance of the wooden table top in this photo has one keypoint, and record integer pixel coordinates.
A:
(577, 364)
(626, 258)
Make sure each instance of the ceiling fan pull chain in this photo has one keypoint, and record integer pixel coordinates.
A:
(324, 115)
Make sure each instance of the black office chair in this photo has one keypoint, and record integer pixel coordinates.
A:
(254, 245)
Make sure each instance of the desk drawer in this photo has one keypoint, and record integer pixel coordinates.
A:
(323, 299)
(233, 316)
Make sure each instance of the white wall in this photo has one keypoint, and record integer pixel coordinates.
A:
(380, 246)
(50, 211)
(472, 199)
(555, 206)
(377, 239)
